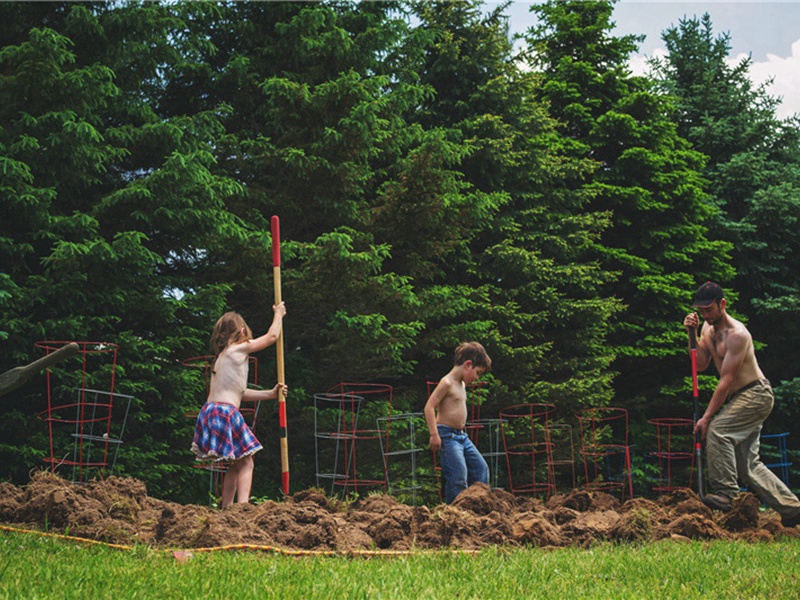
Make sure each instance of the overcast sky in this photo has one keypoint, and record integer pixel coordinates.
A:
(769, 32)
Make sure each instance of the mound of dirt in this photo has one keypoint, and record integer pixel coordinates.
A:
(118, 510)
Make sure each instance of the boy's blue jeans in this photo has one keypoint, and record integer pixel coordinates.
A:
(462, 464)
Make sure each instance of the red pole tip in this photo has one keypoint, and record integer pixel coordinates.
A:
(276, 241)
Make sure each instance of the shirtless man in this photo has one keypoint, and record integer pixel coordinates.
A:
(446, 415)
(732, 437)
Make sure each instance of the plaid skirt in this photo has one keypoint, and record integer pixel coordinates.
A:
(221, 434)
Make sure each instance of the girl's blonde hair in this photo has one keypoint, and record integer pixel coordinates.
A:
(229, 329)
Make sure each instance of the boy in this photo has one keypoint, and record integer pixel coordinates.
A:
(446, 415)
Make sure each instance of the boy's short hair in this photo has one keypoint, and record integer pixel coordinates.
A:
(475, 352)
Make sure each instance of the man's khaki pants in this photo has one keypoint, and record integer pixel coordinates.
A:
(732, 446)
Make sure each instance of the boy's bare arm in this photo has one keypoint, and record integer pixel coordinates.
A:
(435, 399)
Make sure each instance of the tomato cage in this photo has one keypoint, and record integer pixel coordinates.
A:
(674, 445)
(348, 454)
(84, 411)
(406, 437)
(605, 450)
(528, 447)
(248, 408)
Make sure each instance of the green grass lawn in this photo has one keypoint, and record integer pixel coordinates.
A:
(33, 566)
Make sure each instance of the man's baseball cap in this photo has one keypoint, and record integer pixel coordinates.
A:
(707, 294)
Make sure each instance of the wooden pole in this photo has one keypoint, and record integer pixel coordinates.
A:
(276, 273)
(18, 376)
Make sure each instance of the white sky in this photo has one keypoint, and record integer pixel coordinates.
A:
(769, 32)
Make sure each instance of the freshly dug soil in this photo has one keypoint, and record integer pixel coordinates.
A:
(118, 510)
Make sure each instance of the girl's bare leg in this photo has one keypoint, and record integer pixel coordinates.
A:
(245, 481)
(229, 484)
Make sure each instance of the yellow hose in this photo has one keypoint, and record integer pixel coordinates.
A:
(259, 547)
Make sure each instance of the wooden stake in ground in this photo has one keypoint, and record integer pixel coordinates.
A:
(276, 273)
(14, 378)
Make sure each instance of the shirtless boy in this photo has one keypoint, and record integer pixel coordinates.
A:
(446, 415)
(732, 436)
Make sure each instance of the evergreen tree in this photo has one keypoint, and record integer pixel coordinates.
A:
(111, 212)
(314, 130)
(647, 178)
(313, 124)
(520, 276)
(753, 168)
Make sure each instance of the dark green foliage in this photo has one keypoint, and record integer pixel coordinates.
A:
(431, 190)
(645, 177)
(526, 284)
(753, 170)
(112, 216)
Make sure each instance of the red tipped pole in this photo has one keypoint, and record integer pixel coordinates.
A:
(276, 273)
(698, 448)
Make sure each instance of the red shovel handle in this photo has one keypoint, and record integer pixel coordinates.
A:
(693, 355)
(696, 396)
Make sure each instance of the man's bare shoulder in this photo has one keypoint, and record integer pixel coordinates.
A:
(738, 336)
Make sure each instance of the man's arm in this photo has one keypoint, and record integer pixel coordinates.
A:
(735, 353)
(703, 351)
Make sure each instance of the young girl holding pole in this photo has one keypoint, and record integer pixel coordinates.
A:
(221, 434)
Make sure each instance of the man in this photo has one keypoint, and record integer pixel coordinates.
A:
(732, 437)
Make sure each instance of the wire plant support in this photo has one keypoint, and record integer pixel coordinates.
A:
(605, 450)
(528, 448)
(776, 446)
(674, 445)
(91, 420)
(562, 460)
(337, 414)
(400, 458)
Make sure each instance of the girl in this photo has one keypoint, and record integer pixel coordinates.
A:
(221, 433)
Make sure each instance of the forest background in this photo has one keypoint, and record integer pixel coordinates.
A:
(435, 183)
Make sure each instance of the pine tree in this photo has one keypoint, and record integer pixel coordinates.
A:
(114, 213)
(647, 178)
(521, 278)
(753, 167)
